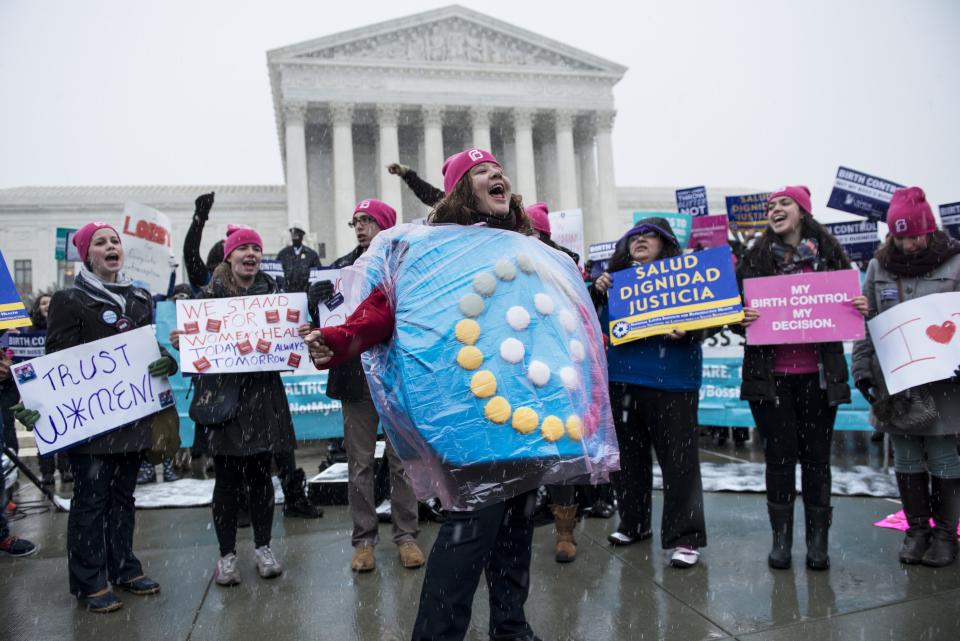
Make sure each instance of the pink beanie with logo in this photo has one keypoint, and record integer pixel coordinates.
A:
(240, 235)
(910, 213)
(81, 239)
(458, 164)
(537, 213)
(799, 193)
(384, 214)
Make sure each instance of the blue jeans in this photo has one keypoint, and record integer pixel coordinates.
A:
(936, 455)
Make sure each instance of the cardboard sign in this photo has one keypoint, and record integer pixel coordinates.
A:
(916, 341)
(748, 213)
(804, 308)
(13, 313)
(950, 219)
(566, 230)
(92, 389)
(685, 292)
(242, 334)
(22, 346)
(860, 239)
(148, 257)
(693, 201)
(680, 223)
(858, 193)
(708, 231)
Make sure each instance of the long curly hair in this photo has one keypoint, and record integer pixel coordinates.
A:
(830, 249)
(460, 206)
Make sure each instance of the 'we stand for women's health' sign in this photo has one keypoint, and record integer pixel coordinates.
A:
(242, 334)
(916, 341)
(91, 389)
(804, 308)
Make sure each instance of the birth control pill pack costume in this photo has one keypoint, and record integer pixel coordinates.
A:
(495, 379)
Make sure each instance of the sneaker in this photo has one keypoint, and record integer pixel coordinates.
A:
(684, 556)
(622, 538)
(411, 556)
(17, 547)
(226, 572)
(267, 565)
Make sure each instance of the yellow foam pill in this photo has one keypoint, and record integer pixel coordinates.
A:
(497, 409)
(552, 428)
(467, 331)
(575, 427)
(483, 384)
(525, 420)
(470, 357)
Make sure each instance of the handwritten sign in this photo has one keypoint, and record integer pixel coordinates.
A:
(92, 389)
(334, 310)
(22, 346)
(566, 230)
(146, 236)
(708, 231)
(685, 292)
(916, 341)
(748, 213)
(804, 308)
(242, 334)
(693, 201)
(858, 193)
(13, 313)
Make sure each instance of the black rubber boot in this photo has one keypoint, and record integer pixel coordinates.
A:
(781, 521)
(945, 500)
(915, 496)
(818, 520)
(295, 502)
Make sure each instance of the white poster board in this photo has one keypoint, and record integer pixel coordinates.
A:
(147, 247)
(242, 334)
(917, 341)
(91, 389)
(566, 230)
(334, 310)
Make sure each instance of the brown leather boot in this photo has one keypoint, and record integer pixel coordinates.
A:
(363, 559)
(565, 520)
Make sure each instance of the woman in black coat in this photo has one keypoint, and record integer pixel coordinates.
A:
(102, 303)
(254, 422)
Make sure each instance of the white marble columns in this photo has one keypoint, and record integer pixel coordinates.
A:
(433, 145)
(344, 185)
(606, 214)
(526, 179)
(298, 202)
(389, 152)
(566, 161)
(480, 122)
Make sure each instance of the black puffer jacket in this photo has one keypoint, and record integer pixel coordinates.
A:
(347, 382)
(758, 360)
(263, 422)
(76, 318)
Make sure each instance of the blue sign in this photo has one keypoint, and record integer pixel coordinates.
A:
(693, 201)
(22, 346)
(858, 193)
(950, 219)
(690, 291)
(749, 212)
(13, 313)
(859, 238)
(272, 268)
(600, 255)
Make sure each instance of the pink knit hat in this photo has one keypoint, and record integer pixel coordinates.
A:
(384, 214)
(458, 164)
(81, 239)
(537, 213)
(910, 214)
(799, 193)
(240, 235)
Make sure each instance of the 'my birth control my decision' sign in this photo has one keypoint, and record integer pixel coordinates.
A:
(685, 292)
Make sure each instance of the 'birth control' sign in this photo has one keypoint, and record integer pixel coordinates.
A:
(91, 389)
(685, 292)
(916, 341)
(242, 334)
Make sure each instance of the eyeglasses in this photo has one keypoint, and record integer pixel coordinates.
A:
(366, 221)
(647, 234)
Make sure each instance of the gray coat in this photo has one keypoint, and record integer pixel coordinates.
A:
(882, 290)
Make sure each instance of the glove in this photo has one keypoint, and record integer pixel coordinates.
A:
(202, 205)
(162, 367)
(865, 385)
(318, 292)
(29, 418)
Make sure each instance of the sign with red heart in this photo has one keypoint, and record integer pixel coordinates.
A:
(942, 333)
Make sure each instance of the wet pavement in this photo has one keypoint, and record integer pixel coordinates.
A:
(607, 593)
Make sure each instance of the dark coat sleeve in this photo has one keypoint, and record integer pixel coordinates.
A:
(63, 322)
(197, 272)
(427, 193)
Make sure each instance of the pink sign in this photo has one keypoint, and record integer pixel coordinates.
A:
(708, 231)
(812, 307)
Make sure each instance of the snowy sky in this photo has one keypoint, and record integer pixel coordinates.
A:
(725, 93)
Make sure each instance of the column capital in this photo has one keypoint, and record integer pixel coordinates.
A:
(523, 117)
(433, 115)
(604, 119)
(341, 113)
(563, 118)
(294, 112)
(480, 116)
(388, 115)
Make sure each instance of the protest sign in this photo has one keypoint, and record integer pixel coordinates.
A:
(858, 193)
(693, 201)
(859, 238)
(335, 309)
(272, 267)
(916, 341)
(22, 346)
(685, 292)
(748, 213)
(91, 389)
(13, 313)
(65, 249)
(242, 334)
(950, 219)
(566, 230)
(708, 231)
(599, 255)
(679, 223)
(812, 307)
(146, 237)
